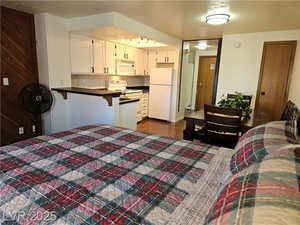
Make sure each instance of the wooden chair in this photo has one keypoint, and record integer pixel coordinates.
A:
(222, 125)
(246, 98)
(290, 111)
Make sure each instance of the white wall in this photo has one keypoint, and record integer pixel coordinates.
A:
(240, 67)
(54, 66)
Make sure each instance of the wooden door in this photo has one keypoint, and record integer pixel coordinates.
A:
(205, 81)
(273, 86)
(19, 65)
(110, 52)
(81, 54)
(99, 56)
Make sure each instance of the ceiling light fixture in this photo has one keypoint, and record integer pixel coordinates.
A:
(202, 45)
(217, 19)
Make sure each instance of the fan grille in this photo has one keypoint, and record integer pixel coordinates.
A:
(36, 98)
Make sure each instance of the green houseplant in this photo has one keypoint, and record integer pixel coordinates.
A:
(238, 102)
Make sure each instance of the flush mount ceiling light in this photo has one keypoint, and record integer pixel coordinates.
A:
(202, 45)
(217, 19)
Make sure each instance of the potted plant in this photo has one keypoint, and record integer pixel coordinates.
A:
(238, 102)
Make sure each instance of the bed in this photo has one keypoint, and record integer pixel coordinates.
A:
(108, 175)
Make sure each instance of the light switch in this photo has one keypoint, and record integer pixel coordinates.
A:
(5, 81)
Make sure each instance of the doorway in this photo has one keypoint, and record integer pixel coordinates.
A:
(205, 81)
(273, 86)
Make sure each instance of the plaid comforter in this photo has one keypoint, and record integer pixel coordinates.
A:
(266, 193)
(108, 175)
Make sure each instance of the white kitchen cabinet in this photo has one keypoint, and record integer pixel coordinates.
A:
(125, 52)
(99, 56)
(110, 58)
(120, 52)
(81, 54)
(139, 59)
(130, 53)
(162, 55)
(166, 56)
(152, 60)
(145, 104)
(127, 115)
(146, 52)
(172, 56)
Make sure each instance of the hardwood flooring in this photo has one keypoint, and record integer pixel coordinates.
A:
(162, 128)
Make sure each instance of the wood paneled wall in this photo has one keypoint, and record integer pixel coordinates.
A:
(19, 65)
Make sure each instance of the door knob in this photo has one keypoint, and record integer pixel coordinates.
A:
(263, 93)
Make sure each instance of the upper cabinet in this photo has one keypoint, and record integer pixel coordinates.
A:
(110, 58)
(81, 54)
(99, 62)
(166, 56)
(140, 59)
(152, 60)
(90, 56)
(125, 52)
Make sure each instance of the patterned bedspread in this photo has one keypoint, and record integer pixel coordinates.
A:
(108, 175)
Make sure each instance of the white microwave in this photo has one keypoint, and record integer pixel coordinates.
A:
(126, 68)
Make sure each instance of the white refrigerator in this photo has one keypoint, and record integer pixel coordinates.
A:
(161, 83)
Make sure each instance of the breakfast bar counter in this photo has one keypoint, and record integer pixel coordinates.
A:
(106, 94)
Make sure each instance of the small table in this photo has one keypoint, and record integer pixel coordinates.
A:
(197, 118)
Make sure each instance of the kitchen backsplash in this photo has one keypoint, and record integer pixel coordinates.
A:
(100, 81)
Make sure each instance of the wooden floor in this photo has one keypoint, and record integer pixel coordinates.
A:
(161, 128)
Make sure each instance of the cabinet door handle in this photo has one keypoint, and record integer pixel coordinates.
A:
(107, 69)
(167, 59)
(93, 69)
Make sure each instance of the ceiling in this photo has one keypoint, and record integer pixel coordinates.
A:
(181, 19)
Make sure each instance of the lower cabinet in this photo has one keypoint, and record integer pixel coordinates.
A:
(127, 115)
(142, 105)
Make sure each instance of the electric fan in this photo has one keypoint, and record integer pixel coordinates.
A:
(36, 98)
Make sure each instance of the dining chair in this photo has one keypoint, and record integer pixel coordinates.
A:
(246, 98)
(222, 125)
(290, 112)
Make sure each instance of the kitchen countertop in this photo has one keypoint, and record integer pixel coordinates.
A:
(86, 91)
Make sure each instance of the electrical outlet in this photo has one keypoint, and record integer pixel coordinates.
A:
(5, 81)
(33, 129)
(21, 130)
